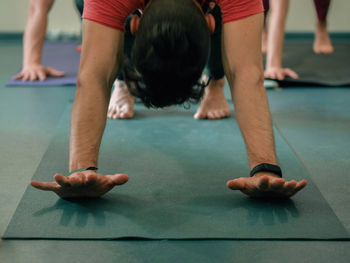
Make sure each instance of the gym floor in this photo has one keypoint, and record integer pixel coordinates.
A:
(314, 121)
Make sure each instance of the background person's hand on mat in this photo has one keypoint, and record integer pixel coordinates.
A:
(38, 71)
(279, 73)
(82, 184)
(266, 185)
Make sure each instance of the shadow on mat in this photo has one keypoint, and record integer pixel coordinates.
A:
(268, 212)
(116, 208)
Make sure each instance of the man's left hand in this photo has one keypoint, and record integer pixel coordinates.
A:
(266, 185)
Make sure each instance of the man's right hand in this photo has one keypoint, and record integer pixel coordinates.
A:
(86, 184)
(38, 71)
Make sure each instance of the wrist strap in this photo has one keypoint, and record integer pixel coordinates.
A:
(83, 169)
(266, 167)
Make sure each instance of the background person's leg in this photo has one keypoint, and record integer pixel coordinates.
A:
(322, 43)
(214, 104)
(215, 66)
(322, 7)
(121, 103)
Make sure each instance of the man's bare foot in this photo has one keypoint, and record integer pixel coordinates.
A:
(214, 104)
(322, 42)
(264, 40)
(121, 104)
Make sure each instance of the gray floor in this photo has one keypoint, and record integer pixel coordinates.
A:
(315, 122)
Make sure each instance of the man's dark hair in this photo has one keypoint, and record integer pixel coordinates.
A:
(169, 53)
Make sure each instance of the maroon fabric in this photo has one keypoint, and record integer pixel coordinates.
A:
(322, 7)
(266, 4)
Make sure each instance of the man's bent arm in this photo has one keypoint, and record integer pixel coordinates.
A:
(101, 56)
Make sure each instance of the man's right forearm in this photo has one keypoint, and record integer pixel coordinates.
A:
(88, 122)
(34, 35)
(99, 64)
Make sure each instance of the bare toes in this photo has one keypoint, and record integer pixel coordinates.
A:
(200, 115)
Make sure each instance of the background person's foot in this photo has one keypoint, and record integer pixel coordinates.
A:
(121, 104)
(214, 104)
(322, 43)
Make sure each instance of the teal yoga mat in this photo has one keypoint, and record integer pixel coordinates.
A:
(178, 168)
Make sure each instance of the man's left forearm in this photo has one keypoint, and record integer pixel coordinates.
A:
(243, 67)
(253, 115)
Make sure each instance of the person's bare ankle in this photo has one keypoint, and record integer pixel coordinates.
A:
(322, 43)
(215, 84)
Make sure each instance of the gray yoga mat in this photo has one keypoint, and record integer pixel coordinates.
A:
(61, 56)
(178, 168)
(316, 70)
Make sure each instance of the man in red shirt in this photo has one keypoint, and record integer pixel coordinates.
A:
(101, 60)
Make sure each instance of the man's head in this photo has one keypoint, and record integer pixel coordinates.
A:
(170, 51)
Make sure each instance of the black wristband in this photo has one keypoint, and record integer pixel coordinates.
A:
(93, 168)
(266, 167)
(83, 169)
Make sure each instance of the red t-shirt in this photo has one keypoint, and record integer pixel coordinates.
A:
(113, 13)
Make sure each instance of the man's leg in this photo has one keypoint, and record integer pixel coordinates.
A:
(121, 104)
(322, 43)
(214, 104)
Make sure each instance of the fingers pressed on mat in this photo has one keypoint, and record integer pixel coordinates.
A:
(25, 77)
(301, 185)
(119, 179)
(277, 184)
(46, 186)
(55, 73)
(62, 180)
(18, 76)
(289, 188)
(33, 76)
(263, 183)
(41, 75)
(91, 179)
(236, 184)
(76, 179)
(291, 73)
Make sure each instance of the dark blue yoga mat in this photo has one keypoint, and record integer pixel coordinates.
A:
(316, 69)
(178, 168)
(61, 56)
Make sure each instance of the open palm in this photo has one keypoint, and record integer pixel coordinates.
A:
(266, 186)
(81, 184)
